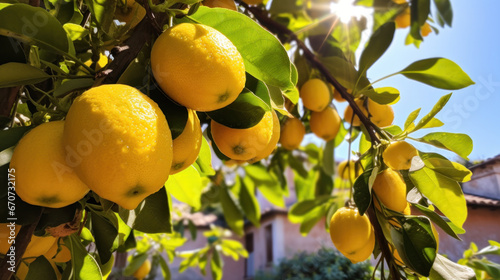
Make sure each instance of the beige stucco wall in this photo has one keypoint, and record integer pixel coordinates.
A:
(485, 181)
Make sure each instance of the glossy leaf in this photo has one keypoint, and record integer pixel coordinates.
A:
(135, 262)
(165, 269)
(233, 248)
(419, 13)
(379, 42)
(41, 266)
(383, 95)
(459, 143)
(32, 25)
(102, 12)
(444, 269)
(246, 111)
(266, 184)
(152, 215)
(249, 202)
(439, 220)
(232, 214)
(216, 264)
(186, 186)
(299, 211)
(204, 160)
(362, 190)
(84, 265)
(75, 31)
(411, 118)
(437, 107)
(328, 159)
(452, 170)
(176, 114)
(444, 192)
(438, 72)
(445, 10)
(70, 85)
(267, 61)
(342, 70)
(105, 233)
(17, 74)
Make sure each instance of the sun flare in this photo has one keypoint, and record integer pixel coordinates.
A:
(345, 10)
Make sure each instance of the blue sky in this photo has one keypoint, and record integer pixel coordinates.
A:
(473, 43)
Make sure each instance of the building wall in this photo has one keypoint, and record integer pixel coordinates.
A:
(485, 181)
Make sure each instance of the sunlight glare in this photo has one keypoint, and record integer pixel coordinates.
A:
(345, 10)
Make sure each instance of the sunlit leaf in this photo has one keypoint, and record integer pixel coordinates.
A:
(186, 186)
(379, 42)
(17, 74)
(459, 143)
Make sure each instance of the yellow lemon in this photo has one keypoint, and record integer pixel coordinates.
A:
(42, 176)
(348, 113)
(380, 114)
(272, 143)
(186, 146)
(352, 234)
(243, 144)
(398, 155)
(347, 170)
(399, 1)
(143, 270)
(62, 256)
(132, 13)
(37, 246)
(391, 190)
(198, 67)
(292, 133)
(315, 95)
(325, 124)
(337, 96)
(119, 143)
(403, 20)
(425, 29)
(8, 233)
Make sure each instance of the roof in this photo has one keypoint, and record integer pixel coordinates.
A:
(486, 162)
(199, 219)
(478, 201)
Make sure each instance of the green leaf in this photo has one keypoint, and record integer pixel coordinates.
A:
(266, 183)
(444, 9)
(411, 118)
(176, 115)
(444, 192)
(259, 88)
(438, 72)
(105, 233)
(102, 12)
(134, 264)
(186, 186)
(299, 211)
(444, 269)
(419, 13)
(70, 85)
(362, 190)
(248, 201)
(383, 95)
(305, 187)
(234, 249)
(459, 143)
(232, 213)
(437, 107)
(267, 61)
(452, 170)
(18, 74)
(75, 31)
(32, 25)
(165, 270)
(152, 215)
(439, 220)
(84, 266)
(246, 111)
(434, 122)
(342, 70)
(40, 266)
(328, 160)
(216, 265)
(204, 160)
(312, 219)
(379, 42)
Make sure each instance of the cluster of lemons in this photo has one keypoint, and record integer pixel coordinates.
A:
(353, 234)
(403, 19)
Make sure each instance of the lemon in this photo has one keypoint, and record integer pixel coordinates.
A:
(347, 170)
(391, 190)
(380, 114)
(272, 143)
(403, 20)
(337, 96)
(325, 124)
(348, 113)
(132, 13)
(292, 133)
(37, 246)
(243, 144)
(42, 176)
(352, 234)
(425, 29)
(119, 143)
(62, 256)
(143, 270)
(198, 67)
(399, 1)
(398, 155)
(187, 145)
(315, 95)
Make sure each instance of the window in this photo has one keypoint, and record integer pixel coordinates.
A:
(249, 262)
(269, 243)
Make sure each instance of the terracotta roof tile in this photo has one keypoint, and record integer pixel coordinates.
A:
(475, 200)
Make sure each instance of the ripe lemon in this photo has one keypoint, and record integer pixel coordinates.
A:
(390, 190)
(131, 14)
(292, 133)
(143, 270)
(315, 95)
(380, 114)
(186, 146)
(198, 67)
(425, 29)
(272, 143)
(398, 155)
(119, 143)
(337, 96)
(325, 124)
(62, 256)
(243, 144)
(347, 170)
(352, 234)
(403, 20)
(42, 176)
(348, 113)
(37, 246)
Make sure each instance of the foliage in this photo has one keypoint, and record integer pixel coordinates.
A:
(478, 260)
(326, 263)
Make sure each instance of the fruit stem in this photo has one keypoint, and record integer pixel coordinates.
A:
(23, 238)
(272, 25)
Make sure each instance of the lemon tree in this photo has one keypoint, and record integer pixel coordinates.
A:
(115, 108)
